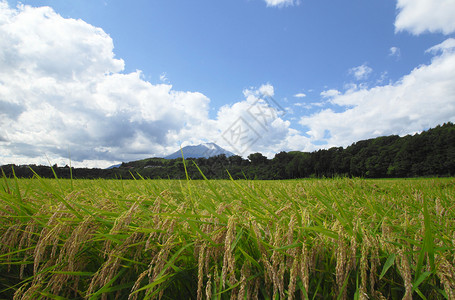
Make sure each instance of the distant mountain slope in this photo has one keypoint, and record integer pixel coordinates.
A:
(203, 150)
(113, 166)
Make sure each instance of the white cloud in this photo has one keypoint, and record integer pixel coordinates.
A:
(310, 105)
(163, 78)
(418, 16)
(422, 99)
(300, 95)
(281, 3)
(361, 72)
(266, 90)
(395, 51)
(61, 88)
(382, 78)
(330, 93)
(446, 46)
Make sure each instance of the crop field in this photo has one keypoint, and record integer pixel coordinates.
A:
(219, 239)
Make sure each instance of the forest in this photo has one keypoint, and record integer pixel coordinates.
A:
(430, 153)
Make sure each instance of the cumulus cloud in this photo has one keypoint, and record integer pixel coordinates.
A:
(265, 90)
(300, 95)
(62, 88)
(422, 99)
(361, 72)
(418, 16)
(281, 3)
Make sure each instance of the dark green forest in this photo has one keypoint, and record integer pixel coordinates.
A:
(430, 153)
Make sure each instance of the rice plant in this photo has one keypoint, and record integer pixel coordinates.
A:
(169, 239)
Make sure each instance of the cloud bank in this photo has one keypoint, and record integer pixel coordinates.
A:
(62, 89)
(418, 101)
(419, 16)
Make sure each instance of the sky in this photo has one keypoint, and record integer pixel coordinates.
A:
(99, 82)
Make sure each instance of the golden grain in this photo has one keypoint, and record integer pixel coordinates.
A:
(229, 258)
(208, 287)
(293, 278)
(363, 270)
(200, 274)
(405, 272)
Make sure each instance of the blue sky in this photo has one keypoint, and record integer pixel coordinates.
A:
(112, 81)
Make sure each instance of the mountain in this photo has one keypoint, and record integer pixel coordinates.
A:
(203, 150)
(113, 166)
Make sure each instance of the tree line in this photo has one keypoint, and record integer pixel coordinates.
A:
(430, 153)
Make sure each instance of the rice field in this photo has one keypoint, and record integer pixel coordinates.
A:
(170, 239)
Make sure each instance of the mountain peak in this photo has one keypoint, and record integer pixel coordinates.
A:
(210, 145)
(204, 150)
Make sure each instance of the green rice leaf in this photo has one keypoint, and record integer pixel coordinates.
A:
(419, 280)
(390, 261)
